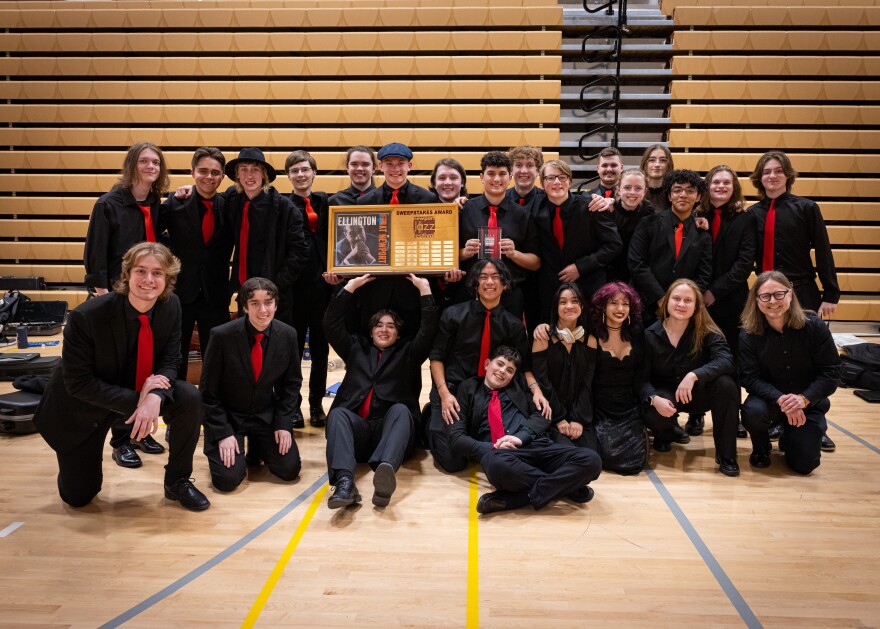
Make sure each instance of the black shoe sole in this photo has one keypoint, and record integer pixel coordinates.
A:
(663, 447)
(335, 503)
(126, 465)
(384, 484)
(761, 466)
(693, 432)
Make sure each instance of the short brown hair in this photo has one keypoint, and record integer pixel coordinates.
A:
(170, 264)
(360, 148)
(128, 174)
(752, 319)
(252, 285)
(455, 165)
(208, 151)
(610, 151)
(527, 152)
(395, 318)
(559, 165)
(300, 156)
(789, 171)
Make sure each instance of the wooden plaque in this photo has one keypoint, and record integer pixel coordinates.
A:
(393, 239)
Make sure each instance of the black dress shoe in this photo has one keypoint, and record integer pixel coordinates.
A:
(384, 484)
(695, 424)
(317, 417)
(148, 445)
(184, 492)
(741, 431)
(495, 501)
(679, 435)
(759, 459)
(298, 419)
(728, 467)
(661, 446)
(125, 456)
(582, 495)
(775, 432)
(827, 445)
(345, 493)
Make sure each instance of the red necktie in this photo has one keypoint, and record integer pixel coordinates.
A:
(608, 193)
(144, 353)
(679, 236)
(522, 201)
(557, 228)
(496, 425)
(148, 222)
(243, 244)
(493, 224)
(716, 224)
(257, 356)
(312, 216)
(767, 262)
(394, 199)
(208, 220)
(364, 408)
(484, 346)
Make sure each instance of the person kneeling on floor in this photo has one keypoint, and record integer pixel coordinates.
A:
(250, 388)
(499, 425)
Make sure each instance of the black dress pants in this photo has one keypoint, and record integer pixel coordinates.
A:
(79, 469)
(308, 315)
(545, 472)
(438, 438)
(261, 441)
(720, 396)
(352, 440)
(801, 444)
(208, 316)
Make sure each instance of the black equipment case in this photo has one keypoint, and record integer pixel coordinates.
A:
(26, 364)
(17, 412)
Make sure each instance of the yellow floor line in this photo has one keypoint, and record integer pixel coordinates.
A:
(278, 570)
(473, 578)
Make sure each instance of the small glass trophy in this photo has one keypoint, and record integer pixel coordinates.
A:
(490, 242)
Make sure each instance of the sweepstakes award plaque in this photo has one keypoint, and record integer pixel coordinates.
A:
(393, 239)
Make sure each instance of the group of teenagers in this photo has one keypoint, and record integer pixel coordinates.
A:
(598, 318)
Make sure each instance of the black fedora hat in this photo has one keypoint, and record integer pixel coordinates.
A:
(250, 154)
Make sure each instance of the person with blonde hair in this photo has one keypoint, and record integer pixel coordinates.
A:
(789, 366)
(119, 362)
(687, 366)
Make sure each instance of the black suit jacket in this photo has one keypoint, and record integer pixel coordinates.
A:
(397, 376)
(409, 193)
(733, 255)
(87, 389)
(316, 241)
(229, 393)
(286, 252)
(464, 432)
(652, 261)
(204, 267)
(591, 242)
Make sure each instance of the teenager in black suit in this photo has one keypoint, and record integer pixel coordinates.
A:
(312, 293)
(250, 386)
(687, 366)
(669, 246)
(126, 215)
(200, 235)
(360, 163)
(119, 359)
(518, 244)
(577, 243)
(467, 333)
(609, 169)
(500, 427)
(630, 208)
(733, 252)
(373, 417)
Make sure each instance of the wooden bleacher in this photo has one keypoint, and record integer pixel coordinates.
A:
(797, 75)
(88, 79)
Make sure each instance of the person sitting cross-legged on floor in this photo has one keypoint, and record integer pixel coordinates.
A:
(499, 425)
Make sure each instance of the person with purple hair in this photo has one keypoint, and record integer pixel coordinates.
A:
(616, 323)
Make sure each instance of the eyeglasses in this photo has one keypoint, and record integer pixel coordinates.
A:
(299, 171)
(559, 178)
(778, 295)
(677, 192)
(632, 188)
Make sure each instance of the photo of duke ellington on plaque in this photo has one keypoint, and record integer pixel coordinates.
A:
(362, 239)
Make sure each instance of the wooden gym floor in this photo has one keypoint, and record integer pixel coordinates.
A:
(678, 545)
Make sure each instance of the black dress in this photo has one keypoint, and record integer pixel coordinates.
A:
(565, 378)
(617, 419)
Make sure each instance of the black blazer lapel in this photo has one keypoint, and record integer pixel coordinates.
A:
(243, 351)
(117, 326)
(690, 235)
